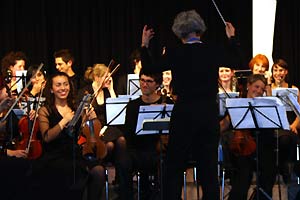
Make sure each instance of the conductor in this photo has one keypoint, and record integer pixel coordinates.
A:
(197, 90)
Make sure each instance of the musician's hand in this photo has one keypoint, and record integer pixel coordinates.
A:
(293, 128)
(230, 30)
(91, 114)
(108, 83)
(6, 103)
(148, 34)
(17, 153)
(68, 116)
(32, 114)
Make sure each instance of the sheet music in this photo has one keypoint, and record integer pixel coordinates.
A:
(20, 75)
(152, 112)
(116, 110)
(282, 93)
(133, 85)
(222, 101)
(269, 113)
(295, 105)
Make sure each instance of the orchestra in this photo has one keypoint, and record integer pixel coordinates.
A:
(54, 132)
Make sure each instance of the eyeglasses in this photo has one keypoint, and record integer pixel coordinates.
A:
(146, 81)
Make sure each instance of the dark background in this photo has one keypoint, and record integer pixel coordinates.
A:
(98, 31)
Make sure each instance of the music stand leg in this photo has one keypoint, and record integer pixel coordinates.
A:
(161, 165)
(277, 164)
(258, 188)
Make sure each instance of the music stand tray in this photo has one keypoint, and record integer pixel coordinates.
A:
(153, 119)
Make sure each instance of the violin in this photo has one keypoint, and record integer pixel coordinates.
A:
(29, 141)
(94, 146)
(28, 130)
(242, 143)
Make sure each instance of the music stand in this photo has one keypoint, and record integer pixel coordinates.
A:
(21, 79)
(116, 110)
(133, 84)
(154, 119)
(282, 93)
(222, 100)
(257, 113)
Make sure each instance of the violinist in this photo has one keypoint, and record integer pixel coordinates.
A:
(63, 172)
(103, 88)
(243, 150)
(14, 167)
(10, 63)
(287, 139)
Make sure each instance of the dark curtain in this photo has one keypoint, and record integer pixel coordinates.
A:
(98, 31)
(286, 43)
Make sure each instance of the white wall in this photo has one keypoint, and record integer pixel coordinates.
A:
(263, 27)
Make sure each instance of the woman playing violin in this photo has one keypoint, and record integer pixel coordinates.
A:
(103, 87)
(243, 160)
(62, 167)
(14, 167)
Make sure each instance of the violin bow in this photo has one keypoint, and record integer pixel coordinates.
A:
(34, 119)
(21, 94)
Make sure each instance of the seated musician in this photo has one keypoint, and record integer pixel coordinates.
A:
(243, 149)
(14, 168)
(142, 149)
(112, 136)
(63, 172)
(287, 139)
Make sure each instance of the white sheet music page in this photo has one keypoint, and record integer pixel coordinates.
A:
(282, 93)
(295, 104)
(269, 112)
(222, 100)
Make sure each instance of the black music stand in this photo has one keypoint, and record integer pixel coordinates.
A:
(133, 84)
(20, 79)
(257, 113)
(154, 119)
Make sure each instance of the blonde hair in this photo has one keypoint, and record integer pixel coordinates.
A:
(99, 70)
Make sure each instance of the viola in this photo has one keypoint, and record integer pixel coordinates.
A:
(29, 141)
(242, 143)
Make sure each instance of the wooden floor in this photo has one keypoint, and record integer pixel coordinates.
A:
(286, 192)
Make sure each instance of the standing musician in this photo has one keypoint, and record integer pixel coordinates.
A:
(142, 149)
(243, 148)
(188, 134)
(62, 168)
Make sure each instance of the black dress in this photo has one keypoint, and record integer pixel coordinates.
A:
(61, 166)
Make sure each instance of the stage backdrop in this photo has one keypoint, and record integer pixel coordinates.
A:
(98, 31)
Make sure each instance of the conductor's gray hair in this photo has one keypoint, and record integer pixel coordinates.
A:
(187, 22)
